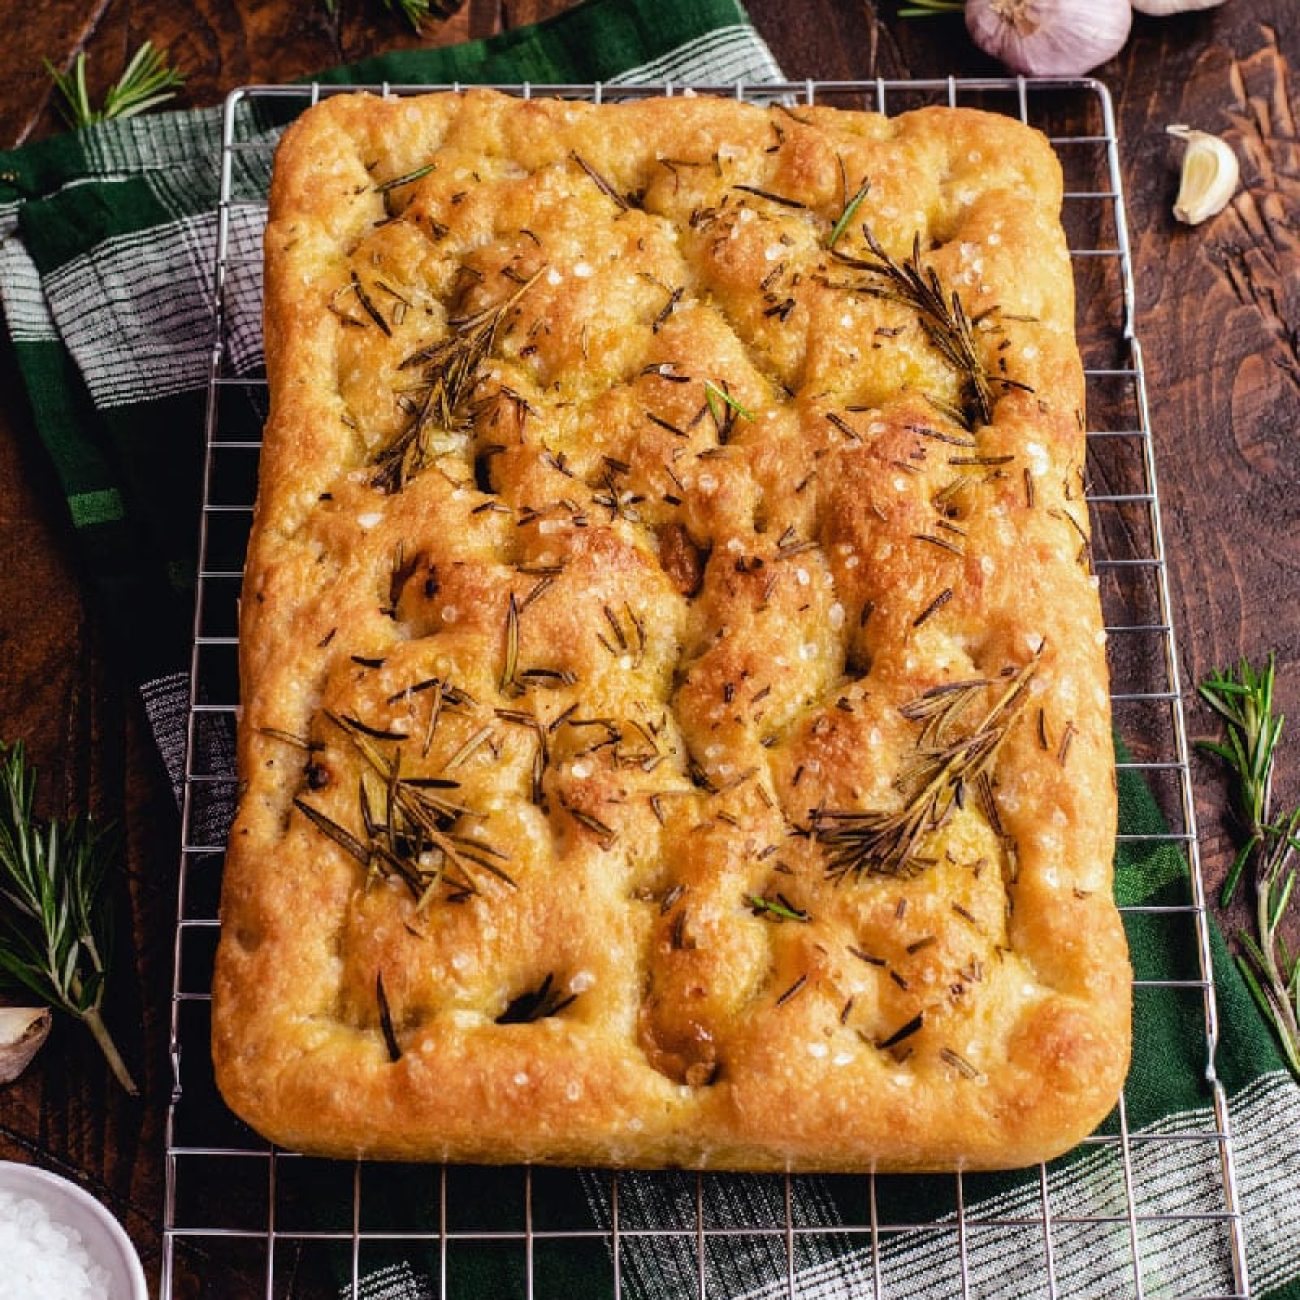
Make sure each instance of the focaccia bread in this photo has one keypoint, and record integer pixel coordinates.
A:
(675, 724)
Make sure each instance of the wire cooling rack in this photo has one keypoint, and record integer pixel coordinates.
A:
(1139, 1210)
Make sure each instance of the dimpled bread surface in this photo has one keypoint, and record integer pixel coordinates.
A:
(675, 725)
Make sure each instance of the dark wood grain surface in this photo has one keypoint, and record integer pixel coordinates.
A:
(1219, 316)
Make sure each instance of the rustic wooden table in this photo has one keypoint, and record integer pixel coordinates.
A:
(1219, 315)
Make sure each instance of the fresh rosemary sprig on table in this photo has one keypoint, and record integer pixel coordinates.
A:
(147, 82)
(416, 12)
(1244, 700)
(54, 923)
(928, 8)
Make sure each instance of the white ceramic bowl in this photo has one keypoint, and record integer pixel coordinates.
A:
(103, 1237)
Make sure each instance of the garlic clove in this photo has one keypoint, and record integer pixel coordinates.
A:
(1210, 175)
(1160, 8)
(22, 1031)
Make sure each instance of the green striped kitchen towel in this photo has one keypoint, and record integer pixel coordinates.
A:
(106, 248)
(1063, 1232)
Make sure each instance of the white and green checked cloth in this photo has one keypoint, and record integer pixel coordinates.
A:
(106, 255)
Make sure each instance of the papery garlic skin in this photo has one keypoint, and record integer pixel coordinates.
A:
(22, 1031)
(1162, 8)
(1210, 176)
(1050, 38)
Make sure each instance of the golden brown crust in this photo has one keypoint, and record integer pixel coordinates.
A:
(659, 636)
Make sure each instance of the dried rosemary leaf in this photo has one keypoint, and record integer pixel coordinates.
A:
(536, 1004)
(903, 1032)
(386, 1019)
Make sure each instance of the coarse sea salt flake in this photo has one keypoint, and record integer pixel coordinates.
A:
(44, 1257)
(370, 519)
(582, 270)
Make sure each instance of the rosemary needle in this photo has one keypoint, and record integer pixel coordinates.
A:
(54, 923)
(846, 217)
(713, 394)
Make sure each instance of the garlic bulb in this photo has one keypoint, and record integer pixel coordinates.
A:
(1210, 175)
(1160, 8)
(1050, 38)
(22, 1031)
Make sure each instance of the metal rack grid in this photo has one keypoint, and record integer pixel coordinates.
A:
(287, 1223)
